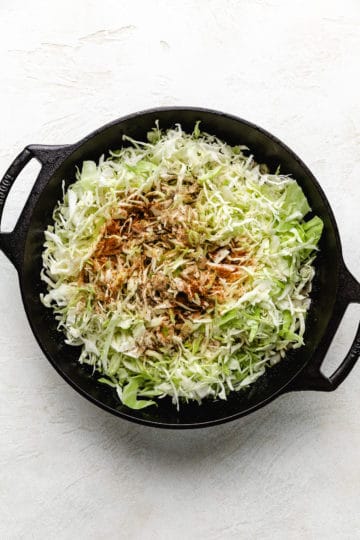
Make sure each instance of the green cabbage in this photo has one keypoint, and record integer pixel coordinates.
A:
(231, 341)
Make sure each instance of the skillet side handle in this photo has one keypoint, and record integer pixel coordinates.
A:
(351, 294)
(311, 377)
(46, 155)
(7, 239)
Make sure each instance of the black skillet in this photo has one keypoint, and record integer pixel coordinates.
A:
(334, 286)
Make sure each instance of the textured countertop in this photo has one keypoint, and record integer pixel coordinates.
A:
(69, 470)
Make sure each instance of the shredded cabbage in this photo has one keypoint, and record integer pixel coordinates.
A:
(181, 267)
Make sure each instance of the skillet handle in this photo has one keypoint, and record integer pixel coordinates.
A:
(311, 377)
(6, 239)
(45, 155)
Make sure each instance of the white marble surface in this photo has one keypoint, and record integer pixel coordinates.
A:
(69, 470)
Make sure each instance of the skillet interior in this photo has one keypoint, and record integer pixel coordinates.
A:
(266, 149)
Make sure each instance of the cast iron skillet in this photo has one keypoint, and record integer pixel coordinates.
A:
(334, 286)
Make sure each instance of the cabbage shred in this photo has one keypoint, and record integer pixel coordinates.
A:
(180, 266)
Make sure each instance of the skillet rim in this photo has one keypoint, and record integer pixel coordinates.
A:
(68, 151)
